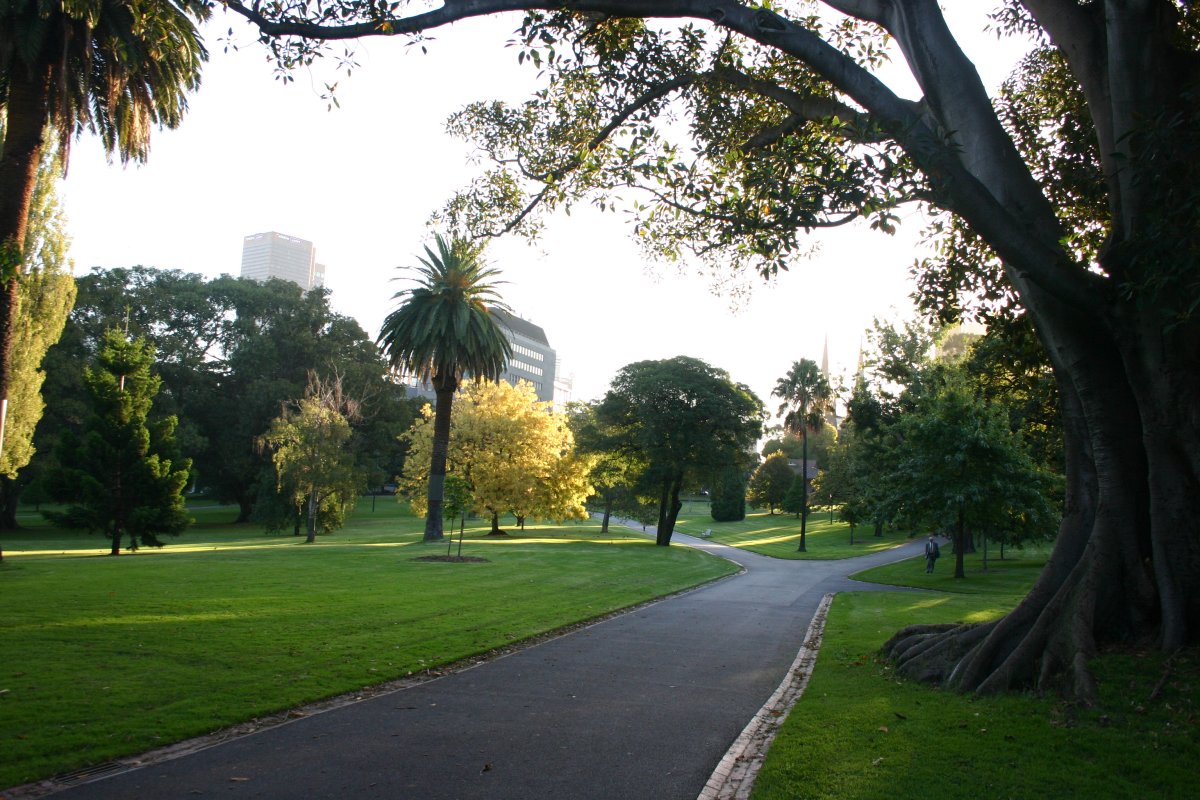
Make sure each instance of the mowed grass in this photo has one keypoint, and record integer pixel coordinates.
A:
(860, 733)
(778, 535)
(105, 657)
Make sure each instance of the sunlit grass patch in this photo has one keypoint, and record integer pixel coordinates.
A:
(778, 535)
(105, 657)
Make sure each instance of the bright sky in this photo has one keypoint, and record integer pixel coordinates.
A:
(360, 182)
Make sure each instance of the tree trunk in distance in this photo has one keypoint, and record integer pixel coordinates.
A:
(803, 482)
(959, 536)
(312, 517)
(444, 387)
(670, 513)
(10, 497)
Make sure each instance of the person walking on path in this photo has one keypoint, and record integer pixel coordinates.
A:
(932, 552)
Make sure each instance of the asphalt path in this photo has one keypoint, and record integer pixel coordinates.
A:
(642, 705)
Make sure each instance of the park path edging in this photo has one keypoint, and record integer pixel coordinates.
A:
(733, 778)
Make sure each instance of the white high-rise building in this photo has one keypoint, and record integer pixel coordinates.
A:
(276, 255)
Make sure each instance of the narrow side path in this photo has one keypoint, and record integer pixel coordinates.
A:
(643, 705)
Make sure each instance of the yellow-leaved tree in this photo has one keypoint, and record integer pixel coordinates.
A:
(516, 453)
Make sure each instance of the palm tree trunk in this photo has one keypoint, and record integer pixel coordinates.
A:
(28, 114)
(444, 388)
(803, 481)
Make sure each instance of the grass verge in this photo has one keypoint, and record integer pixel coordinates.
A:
(105, 657)
(859, 733)
(778, 535)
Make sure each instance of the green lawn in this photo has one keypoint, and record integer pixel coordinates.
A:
(860, 733)
(778, 535)
(104, 657)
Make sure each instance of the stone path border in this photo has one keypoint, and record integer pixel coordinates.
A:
(733, 779)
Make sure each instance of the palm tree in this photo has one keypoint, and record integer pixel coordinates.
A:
(109, 66)
(444, 329)
(806, 396)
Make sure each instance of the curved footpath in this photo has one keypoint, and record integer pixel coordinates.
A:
(642, 705)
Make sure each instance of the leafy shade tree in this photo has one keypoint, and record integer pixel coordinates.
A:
(843, 483)
(46, 293)
(230, 351)
(615, 470)
(313, 463)
(122, 476)
(686, 419)
(729, 495)
(516, 454)
(444, 329)
(114, 67)
(1080, 198)
(806, 396)
(963, 468)
(769, 484)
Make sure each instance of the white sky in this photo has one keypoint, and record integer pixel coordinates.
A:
(360, 182)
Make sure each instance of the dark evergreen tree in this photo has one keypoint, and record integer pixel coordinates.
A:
(793, 501)
(122, 475)
(729, 496)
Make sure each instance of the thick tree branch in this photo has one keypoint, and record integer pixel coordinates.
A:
(866, 10)
(457, 10)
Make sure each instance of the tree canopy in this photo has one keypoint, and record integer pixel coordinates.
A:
(230, 351)
(685, 419)
(516, 454)
(123, 475)
(314, 465)
(769, 484)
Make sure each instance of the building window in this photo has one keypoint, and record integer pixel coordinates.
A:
(525, 365)
(525, 351)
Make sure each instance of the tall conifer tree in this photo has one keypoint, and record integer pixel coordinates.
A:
(122, 476)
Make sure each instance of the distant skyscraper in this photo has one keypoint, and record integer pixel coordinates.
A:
(276, 255)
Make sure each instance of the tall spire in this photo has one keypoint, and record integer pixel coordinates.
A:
(825, 358)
